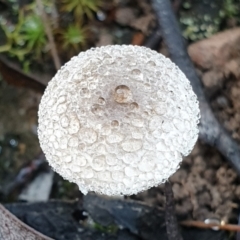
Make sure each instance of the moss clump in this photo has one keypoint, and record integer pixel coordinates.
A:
(202, 19)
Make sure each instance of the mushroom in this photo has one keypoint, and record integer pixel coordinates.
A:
(117, 120)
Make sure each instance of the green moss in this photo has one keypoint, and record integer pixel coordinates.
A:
(205, 19)
(112, 229)
(73, 38)
(24, 39)
(198, 27)
(80, 7)
(230, 9)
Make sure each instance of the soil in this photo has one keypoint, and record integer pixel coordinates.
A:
(18, 129)
(204, 187)
(227, 107)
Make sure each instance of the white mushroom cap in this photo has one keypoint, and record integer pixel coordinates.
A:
(118, 119)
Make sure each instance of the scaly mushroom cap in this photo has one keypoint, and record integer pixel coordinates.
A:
(118, 119)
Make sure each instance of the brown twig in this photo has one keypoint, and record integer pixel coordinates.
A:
(211, 131)
(170, 216)
(15, 76)
(48, 31)
(199, 224)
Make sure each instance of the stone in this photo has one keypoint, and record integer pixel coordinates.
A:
(218, 57)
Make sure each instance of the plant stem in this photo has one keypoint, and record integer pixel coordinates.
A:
(48, 31)
(170, 216)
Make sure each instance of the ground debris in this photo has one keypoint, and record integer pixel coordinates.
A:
(204, 187)
(64, 220)
(218, 57)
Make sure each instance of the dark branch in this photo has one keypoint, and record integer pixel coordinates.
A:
(211, 131)
(155, 38)
(25, 175)
(170, 216)
(238, 233)
(13, 75)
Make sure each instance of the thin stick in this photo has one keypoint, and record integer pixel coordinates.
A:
(156, 37)
(238, 233)
(199, 224)
(48, 31)
(170, 216)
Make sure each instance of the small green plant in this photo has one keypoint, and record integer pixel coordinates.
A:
(26, 38)
(230, 9)
(33, 33)
(48, 5)
(73, 38)
(11, 32)
(198, 27)
(14, 39)
(80, 7)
